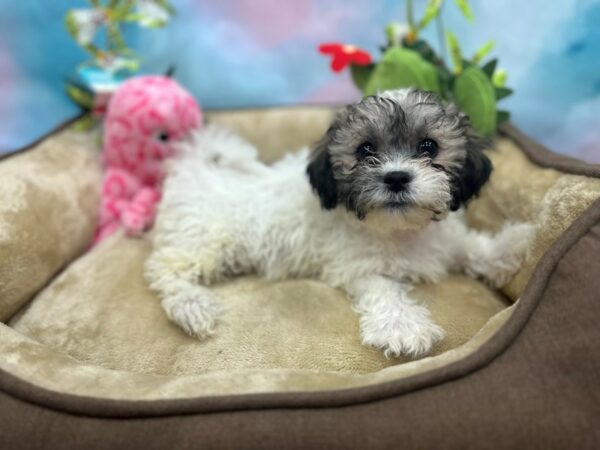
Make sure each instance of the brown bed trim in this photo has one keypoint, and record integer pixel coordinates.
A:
(544, 157)
(533, 294)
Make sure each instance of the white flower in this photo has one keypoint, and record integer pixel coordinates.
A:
(153, 13)
(396, 31)
(84, 23)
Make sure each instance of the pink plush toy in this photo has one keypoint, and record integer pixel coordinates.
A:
(145, 118)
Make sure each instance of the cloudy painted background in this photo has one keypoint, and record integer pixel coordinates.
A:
(236, 53)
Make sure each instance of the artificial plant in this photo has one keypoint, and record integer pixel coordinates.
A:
(409, 61)
(98, 30)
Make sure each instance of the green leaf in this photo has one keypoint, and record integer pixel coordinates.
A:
(85, 123)
(502, 92)
(483, 51)
(455, 51)
(446, 82)
(81, 96)
(465, 63)
(425, 50)
(121, 10)
(361, 75)
(71, 25)
(401, 67)
(502, 116)
(432, 10)
(489, 67)
(130, 64)
(464, 7)
(475, 95)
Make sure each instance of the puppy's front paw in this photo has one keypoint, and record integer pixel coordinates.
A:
(510, 249)
(409, 331)
(195, 312)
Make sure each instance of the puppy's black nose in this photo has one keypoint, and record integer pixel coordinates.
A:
(397, 180)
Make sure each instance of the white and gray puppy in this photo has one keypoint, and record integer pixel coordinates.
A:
(387, 176)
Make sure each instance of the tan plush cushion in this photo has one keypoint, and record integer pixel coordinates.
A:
(48, 203)
(519, 190)
(97, 330)
(278, 130)
(101, 311)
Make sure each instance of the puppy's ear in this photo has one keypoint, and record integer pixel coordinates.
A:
(475, 172)
(320, 174)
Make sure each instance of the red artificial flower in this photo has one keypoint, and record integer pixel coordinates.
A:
(344, 55)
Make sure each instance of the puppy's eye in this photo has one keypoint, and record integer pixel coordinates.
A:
(365, 149)
(428, 147)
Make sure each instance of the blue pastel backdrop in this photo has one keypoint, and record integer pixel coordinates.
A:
(240, 53)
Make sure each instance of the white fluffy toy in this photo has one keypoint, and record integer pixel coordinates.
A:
(373, 210)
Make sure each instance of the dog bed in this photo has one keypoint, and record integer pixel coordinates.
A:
(88, 358)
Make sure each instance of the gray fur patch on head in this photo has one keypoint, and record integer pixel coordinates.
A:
(394, 123)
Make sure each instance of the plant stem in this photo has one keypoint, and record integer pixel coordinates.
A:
(409, 15)
(441, 35)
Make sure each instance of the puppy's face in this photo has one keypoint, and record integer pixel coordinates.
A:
(403, 155)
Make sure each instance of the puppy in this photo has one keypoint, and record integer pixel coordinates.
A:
(372, 211)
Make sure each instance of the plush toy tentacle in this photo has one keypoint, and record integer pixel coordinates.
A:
(139, 214)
